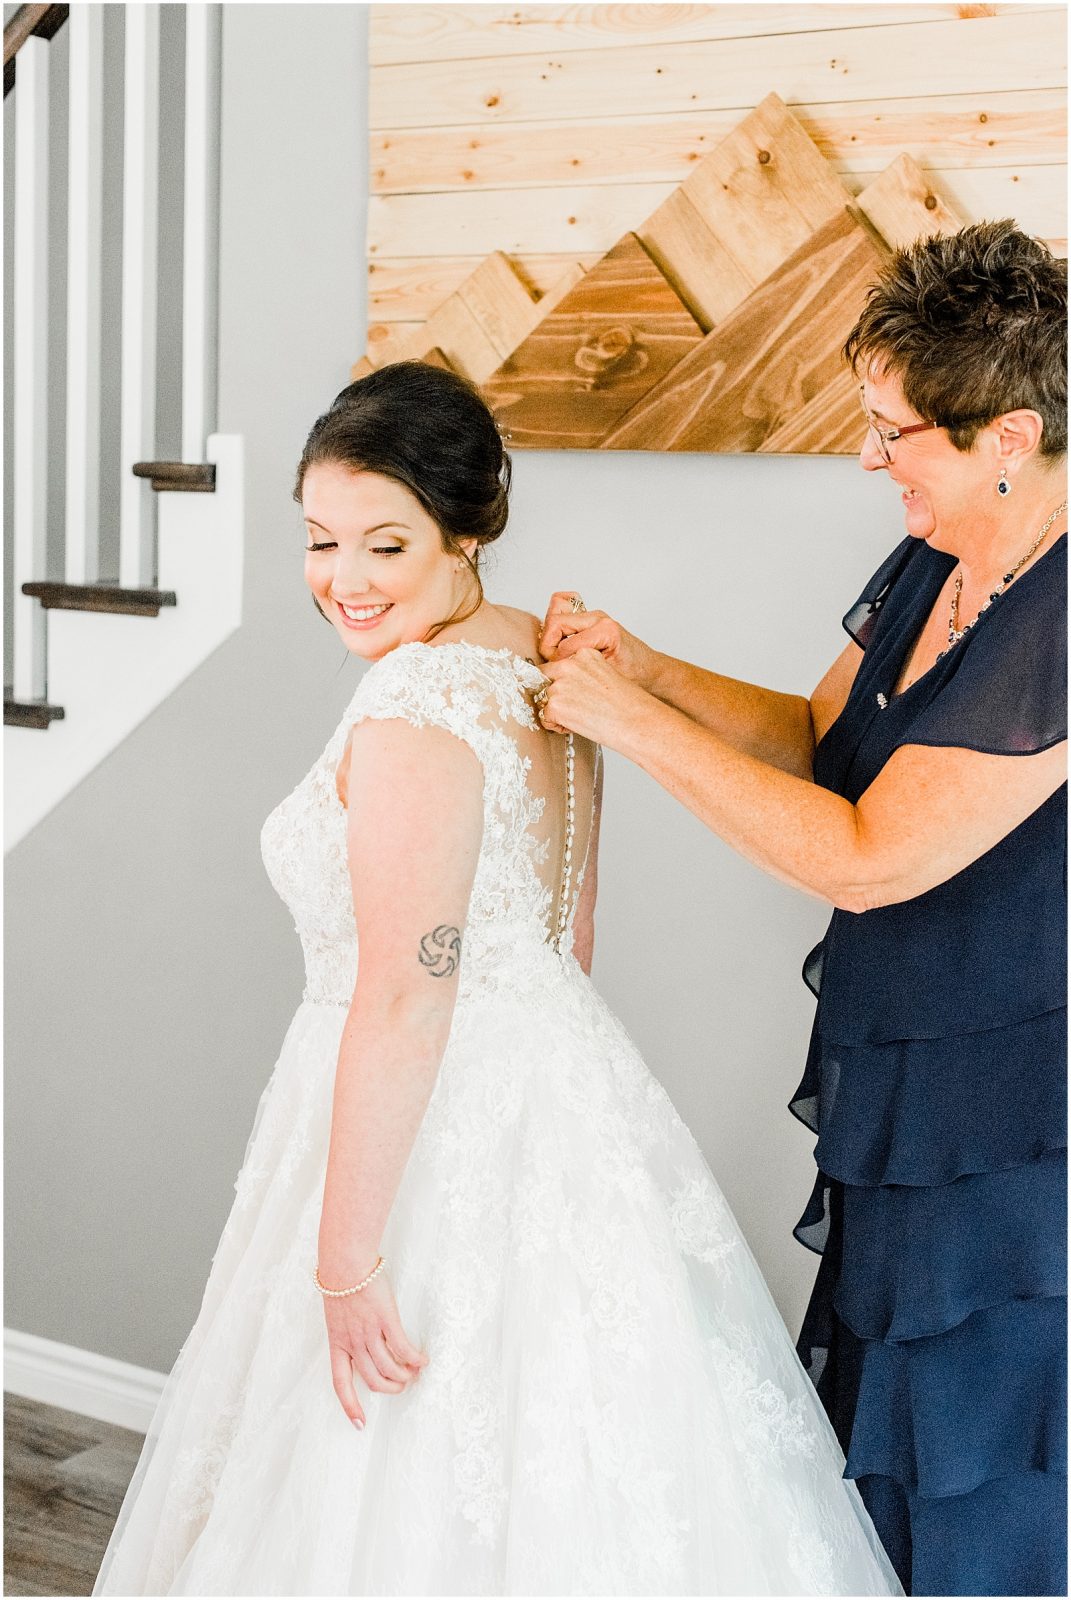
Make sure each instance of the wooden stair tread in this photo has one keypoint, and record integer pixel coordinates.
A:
(187, 477)
(30, 713)
(110, 597)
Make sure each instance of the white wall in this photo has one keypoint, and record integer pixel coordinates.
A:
(152, 971)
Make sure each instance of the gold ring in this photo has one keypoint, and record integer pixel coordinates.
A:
(576, 604)
(540, 697)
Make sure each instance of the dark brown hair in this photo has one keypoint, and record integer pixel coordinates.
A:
(973, 324)
(431, 431)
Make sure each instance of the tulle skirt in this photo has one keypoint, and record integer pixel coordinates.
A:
(612, 1403)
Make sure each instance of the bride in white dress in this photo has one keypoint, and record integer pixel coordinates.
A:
(569, 1376)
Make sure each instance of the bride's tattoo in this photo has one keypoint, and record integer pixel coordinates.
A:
(440, 951)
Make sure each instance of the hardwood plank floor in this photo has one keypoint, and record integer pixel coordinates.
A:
(64, 1480)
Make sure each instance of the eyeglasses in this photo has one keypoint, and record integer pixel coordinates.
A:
(884, 437)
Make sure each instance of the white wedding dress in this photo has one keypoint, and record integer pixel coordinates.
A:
(612, 1403)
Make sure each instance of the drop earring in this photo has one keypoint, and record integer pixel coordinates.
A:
(1003, 486)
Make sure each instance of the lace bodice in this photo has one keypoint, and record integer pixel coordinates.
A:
(483, 697)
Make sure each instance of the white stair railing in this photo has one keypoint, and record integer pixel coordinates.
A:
(30, 400)
(141, 159)
(85, 199)
(200, 249)
(107, 672)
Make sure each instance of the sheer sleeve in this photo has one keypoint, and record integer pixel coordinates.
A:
(859, 622)
(1007, 694)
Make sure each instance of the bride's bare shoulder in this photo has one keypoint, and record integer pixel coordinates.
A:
(525, 626)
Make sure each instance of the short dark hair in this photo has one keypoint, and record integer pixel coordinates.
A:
(430, 430)
(973, 324)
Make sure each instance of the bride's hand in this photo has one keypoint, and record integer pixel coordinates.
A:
(566, 631)
(365, 1331)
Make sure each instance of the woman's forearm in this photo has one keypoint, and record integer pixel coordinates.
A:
(388, 1060)
(773, 727)
(788, 826)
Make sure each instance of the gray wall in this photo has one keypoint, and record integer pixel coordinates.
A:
(151, 970)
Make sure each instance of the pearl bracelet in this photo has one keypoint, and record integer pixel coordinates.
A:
(338, 1294)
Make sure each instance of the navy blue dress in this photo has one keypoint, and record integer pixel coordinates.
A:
(936, 1083)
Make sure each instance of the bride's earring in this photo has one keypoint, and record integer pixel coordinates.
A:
(1003, 486)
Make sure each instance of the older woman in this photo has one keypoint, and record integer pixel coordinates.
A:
(921, 792)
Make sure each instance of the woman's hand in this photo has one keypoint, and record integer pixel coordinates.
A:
(588, 696)
(365, 1331)
(566, 631)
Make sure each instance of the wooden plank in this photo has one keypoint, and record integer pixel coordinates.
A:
(500, 301)
(765, 189)
(409, 288)
(903, 205)
(1025, 128)
(523, 222)
(698, 266)
(434, 358)
(976, 55)
(392, 341)
(454, 330)
(482, 322)
(1035, 196)
(767, 362)
(830, 423)
(609, 340)
(404, 33)
(529, 222)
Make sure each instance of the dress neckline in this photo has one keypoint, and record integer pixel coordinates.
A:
(894, 699)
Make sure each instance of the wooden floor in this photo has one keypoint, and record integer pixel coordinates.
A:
(64, 1481)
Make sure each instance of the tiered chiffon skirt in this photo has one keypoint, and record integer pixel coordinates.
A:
(936, 1334)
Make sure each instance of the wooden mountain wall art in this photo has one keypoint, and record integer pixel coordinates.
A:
(717, 325)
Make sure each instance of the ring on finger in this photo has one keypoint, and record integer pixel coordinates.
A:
(576, 604)
(541, 696)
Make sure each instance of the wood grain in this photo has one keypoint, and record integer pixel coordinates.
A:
(697, 264)
(1026, 128)
(64, 1481)
(765, 189)
(410, 288)
(1023, 50)
(769, 361)
(500, 301)
(590, 359)
(902, 204)
(527, 221)
(405, 33)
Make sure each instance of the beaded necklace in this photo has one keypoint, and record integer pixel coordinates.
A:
(955, 632)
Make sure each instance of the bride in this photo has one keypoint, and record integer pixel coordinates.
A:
(551, 1363)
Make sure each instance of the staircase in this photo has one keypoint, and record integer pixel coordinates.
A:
(107, 614)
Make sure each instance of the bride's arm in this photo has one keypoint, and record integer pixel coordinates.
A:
(415, 822)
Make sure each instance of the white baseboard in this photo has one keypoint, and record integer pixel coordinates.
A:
(80, 1380)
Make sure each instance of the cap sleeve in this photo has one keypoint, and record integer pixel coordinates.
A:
(862, 617)
(470, 693)
(1007, 694)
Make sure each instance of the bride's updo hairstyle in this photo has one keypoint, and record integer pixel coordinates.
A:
(431, 431)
